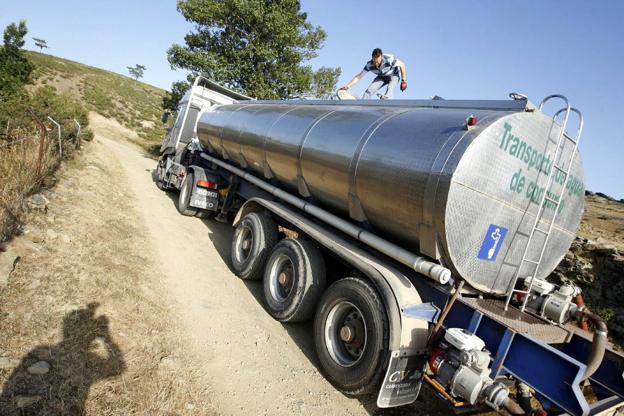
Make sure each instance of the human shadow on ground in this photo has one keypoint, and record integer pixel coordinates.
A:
(87, 354)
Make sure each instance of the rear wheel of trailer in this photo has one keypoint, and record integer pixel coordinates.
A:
(253, 240)
(294, 280)
(351, 336)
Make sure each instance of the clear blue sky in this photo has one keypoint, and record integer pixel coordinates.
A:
(478, 49)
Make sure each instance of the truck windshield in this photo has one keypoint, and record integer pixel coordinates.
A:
(188, 130)
(178, 123)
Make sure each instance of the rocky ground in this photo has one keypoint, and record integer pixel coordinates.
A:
(596, 260)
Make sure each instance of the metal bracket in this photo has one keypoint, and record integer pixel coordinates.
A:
(423, 311)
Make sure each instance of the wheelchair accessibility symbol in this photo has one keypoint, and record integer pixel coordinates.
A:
(492, 242)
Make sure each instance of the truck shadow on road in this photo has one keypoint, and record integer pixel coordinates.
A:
(56, 379)
(220, 235)
(301, 333)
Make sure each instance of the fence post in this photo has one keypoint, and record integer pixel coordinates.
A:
(58, 127)
(42, 138)
(77, 134)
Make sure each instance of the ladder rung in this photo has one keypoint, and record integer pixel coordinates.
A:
(520, 291)
(570, 138)
(531, 261)
(551, 200)
(562, 170)
(541, 231)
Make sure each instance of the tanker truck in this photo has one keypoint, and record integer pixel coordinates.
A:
(417, 234)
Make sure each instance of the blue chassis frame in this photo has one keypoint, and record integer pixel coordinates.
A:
(554, 371)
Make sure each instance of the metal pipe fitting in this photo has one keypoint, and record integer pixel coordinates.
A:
(580, 302)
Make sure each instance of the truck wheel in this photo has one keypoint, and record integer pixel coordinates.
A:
(294, 280)
(160, 175)
(253, 240)
(351, 336)
(184, 198)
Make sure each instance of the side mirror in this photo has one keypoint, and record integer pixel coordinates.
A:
(165, 117)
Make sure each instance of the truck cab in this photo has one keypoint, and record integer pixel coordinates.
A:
(179, 151)
(202, 95)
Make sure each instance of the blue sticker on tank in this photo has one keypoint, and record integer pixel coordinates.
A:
(492, 242)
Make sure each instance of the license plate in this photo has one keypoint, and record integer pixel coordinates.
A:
(204, 199)
(206, 192)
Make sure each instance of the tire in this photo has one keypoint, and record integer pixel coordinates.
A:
(253, 240)
(294, 280)
(356, 366)
(159, 176)
(184, 198)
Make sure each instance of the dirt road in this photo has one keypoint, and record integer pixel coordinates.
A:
(256, 364)
(190, 314)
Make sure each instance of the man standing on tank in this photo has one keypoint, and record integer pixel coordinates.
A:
(387, 68)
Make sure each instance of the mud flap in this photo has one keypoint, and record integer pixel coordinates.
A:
(207, 199)
(204, 199)
(403, 379)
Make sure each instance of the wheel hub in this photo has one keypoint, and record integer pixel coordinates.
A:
(284, 279)
(244, 244)
(347, 333)
(281, 278)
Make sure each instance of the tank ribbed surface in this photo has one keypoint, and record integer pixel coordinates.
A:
(415, 174)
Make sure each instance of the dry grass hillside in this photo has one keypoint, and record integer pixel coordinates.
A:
(133, 104)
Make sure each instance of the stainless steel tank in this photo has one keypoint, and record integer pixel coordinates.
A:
(415, 174)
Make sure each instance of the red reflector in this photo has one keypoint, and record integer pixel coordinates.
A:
(520, 296)
(207, 184)
(435, 359)
(471, 121)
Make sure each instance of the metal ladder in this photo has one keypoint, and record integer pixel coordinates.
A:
(565, 170)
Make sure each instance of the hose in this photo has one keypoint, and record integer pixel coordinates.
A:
(599, 344)
(513, 407)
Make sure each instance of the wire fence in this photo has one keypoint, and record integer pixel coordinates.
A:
(31, 149)
(35, 130)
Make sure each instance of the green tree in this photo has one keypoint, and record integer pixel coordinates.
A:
(172, 98)
(258, 47)
(40, 43)
(15, 69)
(136, 71)
(324, 82)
